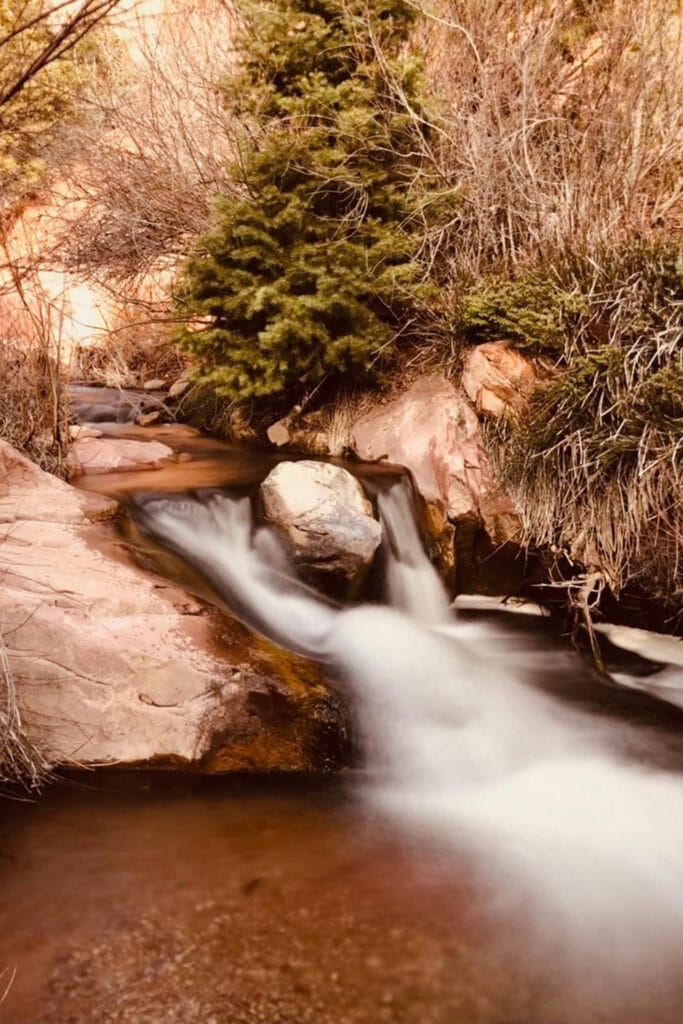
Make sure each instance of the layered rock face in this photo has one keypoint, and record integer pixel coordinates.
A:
(325, 519)
(113, 665)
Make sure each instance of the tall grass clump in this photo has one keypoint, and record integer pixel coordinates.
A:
(561, 142)
(596, 460)
(34, 400)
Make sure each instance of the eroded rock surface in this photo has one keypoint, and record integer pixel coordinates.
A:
(115, 666)
(324, 517)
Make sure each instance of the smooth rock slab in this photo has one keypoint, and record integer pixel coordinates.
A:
(325, 518)
(432, 431)
(115, 455)
(113, 665)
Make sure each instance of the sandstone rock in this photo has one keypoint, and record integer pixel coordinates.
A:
(82, 430)
(497, 379)
(147, 419)
(431, 431)
(278, 433)
(113, 454)
(114, 666)
(325, 518)
(158, 384)
(178, 388)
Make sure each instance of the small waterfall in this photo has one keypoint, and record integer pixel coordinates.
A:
(458, 744)
(412, 583)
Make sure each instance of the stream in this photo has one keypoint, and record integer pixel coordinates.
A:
(508, 850)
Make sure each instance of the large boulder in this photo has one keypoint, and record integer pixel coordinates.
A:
(497, 379)
(325, 519)
(113, 665)
(431, 430)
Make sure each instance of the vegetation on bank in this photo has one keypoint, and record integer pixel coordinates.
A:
(596, 459)
(358, 185)
(544, 140)
(311, 271)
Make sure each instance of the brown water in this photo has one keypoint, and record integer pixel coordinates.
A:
(140, 899)
(235, 902)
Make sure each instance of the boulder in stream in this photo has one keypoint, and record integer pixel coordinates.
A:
(325, 519)
(115, 455)
(113, 665)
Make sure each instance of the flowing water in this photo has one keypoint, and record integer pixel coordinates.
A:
(515, 826)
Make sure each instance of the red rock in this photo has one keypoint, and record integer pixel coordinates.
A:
(497, 379)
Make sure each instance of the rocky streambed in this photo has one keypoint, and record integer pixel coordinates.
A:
(502, 810)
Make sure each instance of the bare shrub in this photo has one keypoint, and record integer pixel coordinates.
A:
(133, 351)
(561, 127)
(153, 147)
(34, 404)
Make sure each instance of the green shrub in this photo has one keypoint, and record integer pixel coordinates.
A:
(529, 310)
(312, 270)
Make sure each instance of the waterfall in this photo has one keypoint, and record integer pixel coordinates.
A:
(412, 584)
(461, 747)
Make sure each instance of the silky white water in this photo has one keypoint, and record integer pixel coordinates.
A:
(460, 747)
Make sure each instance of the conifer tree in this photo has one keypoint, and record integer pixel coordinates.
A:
(311, 271)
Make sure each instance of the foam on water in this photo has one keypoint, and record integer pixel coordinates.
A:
(460, 746)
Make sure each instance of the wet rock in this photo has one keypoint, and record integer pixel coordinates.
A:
(89, 404)
(112, 455)
(497, 379)
(325, 518)
(115, 666)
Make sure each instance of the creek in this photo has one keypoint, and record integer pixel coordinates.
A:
(508, 847)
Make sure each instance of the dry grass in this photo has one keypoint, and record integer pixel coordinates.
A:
(34, 406)
(128, 355)
(20, 761)
(560, 128)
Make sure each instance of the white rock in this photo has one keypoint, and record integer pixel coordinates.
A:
(178, 388)
(278, 433)
(324, 516)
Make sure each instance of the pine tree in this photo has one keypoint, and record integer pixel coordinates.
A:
(311, 271)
